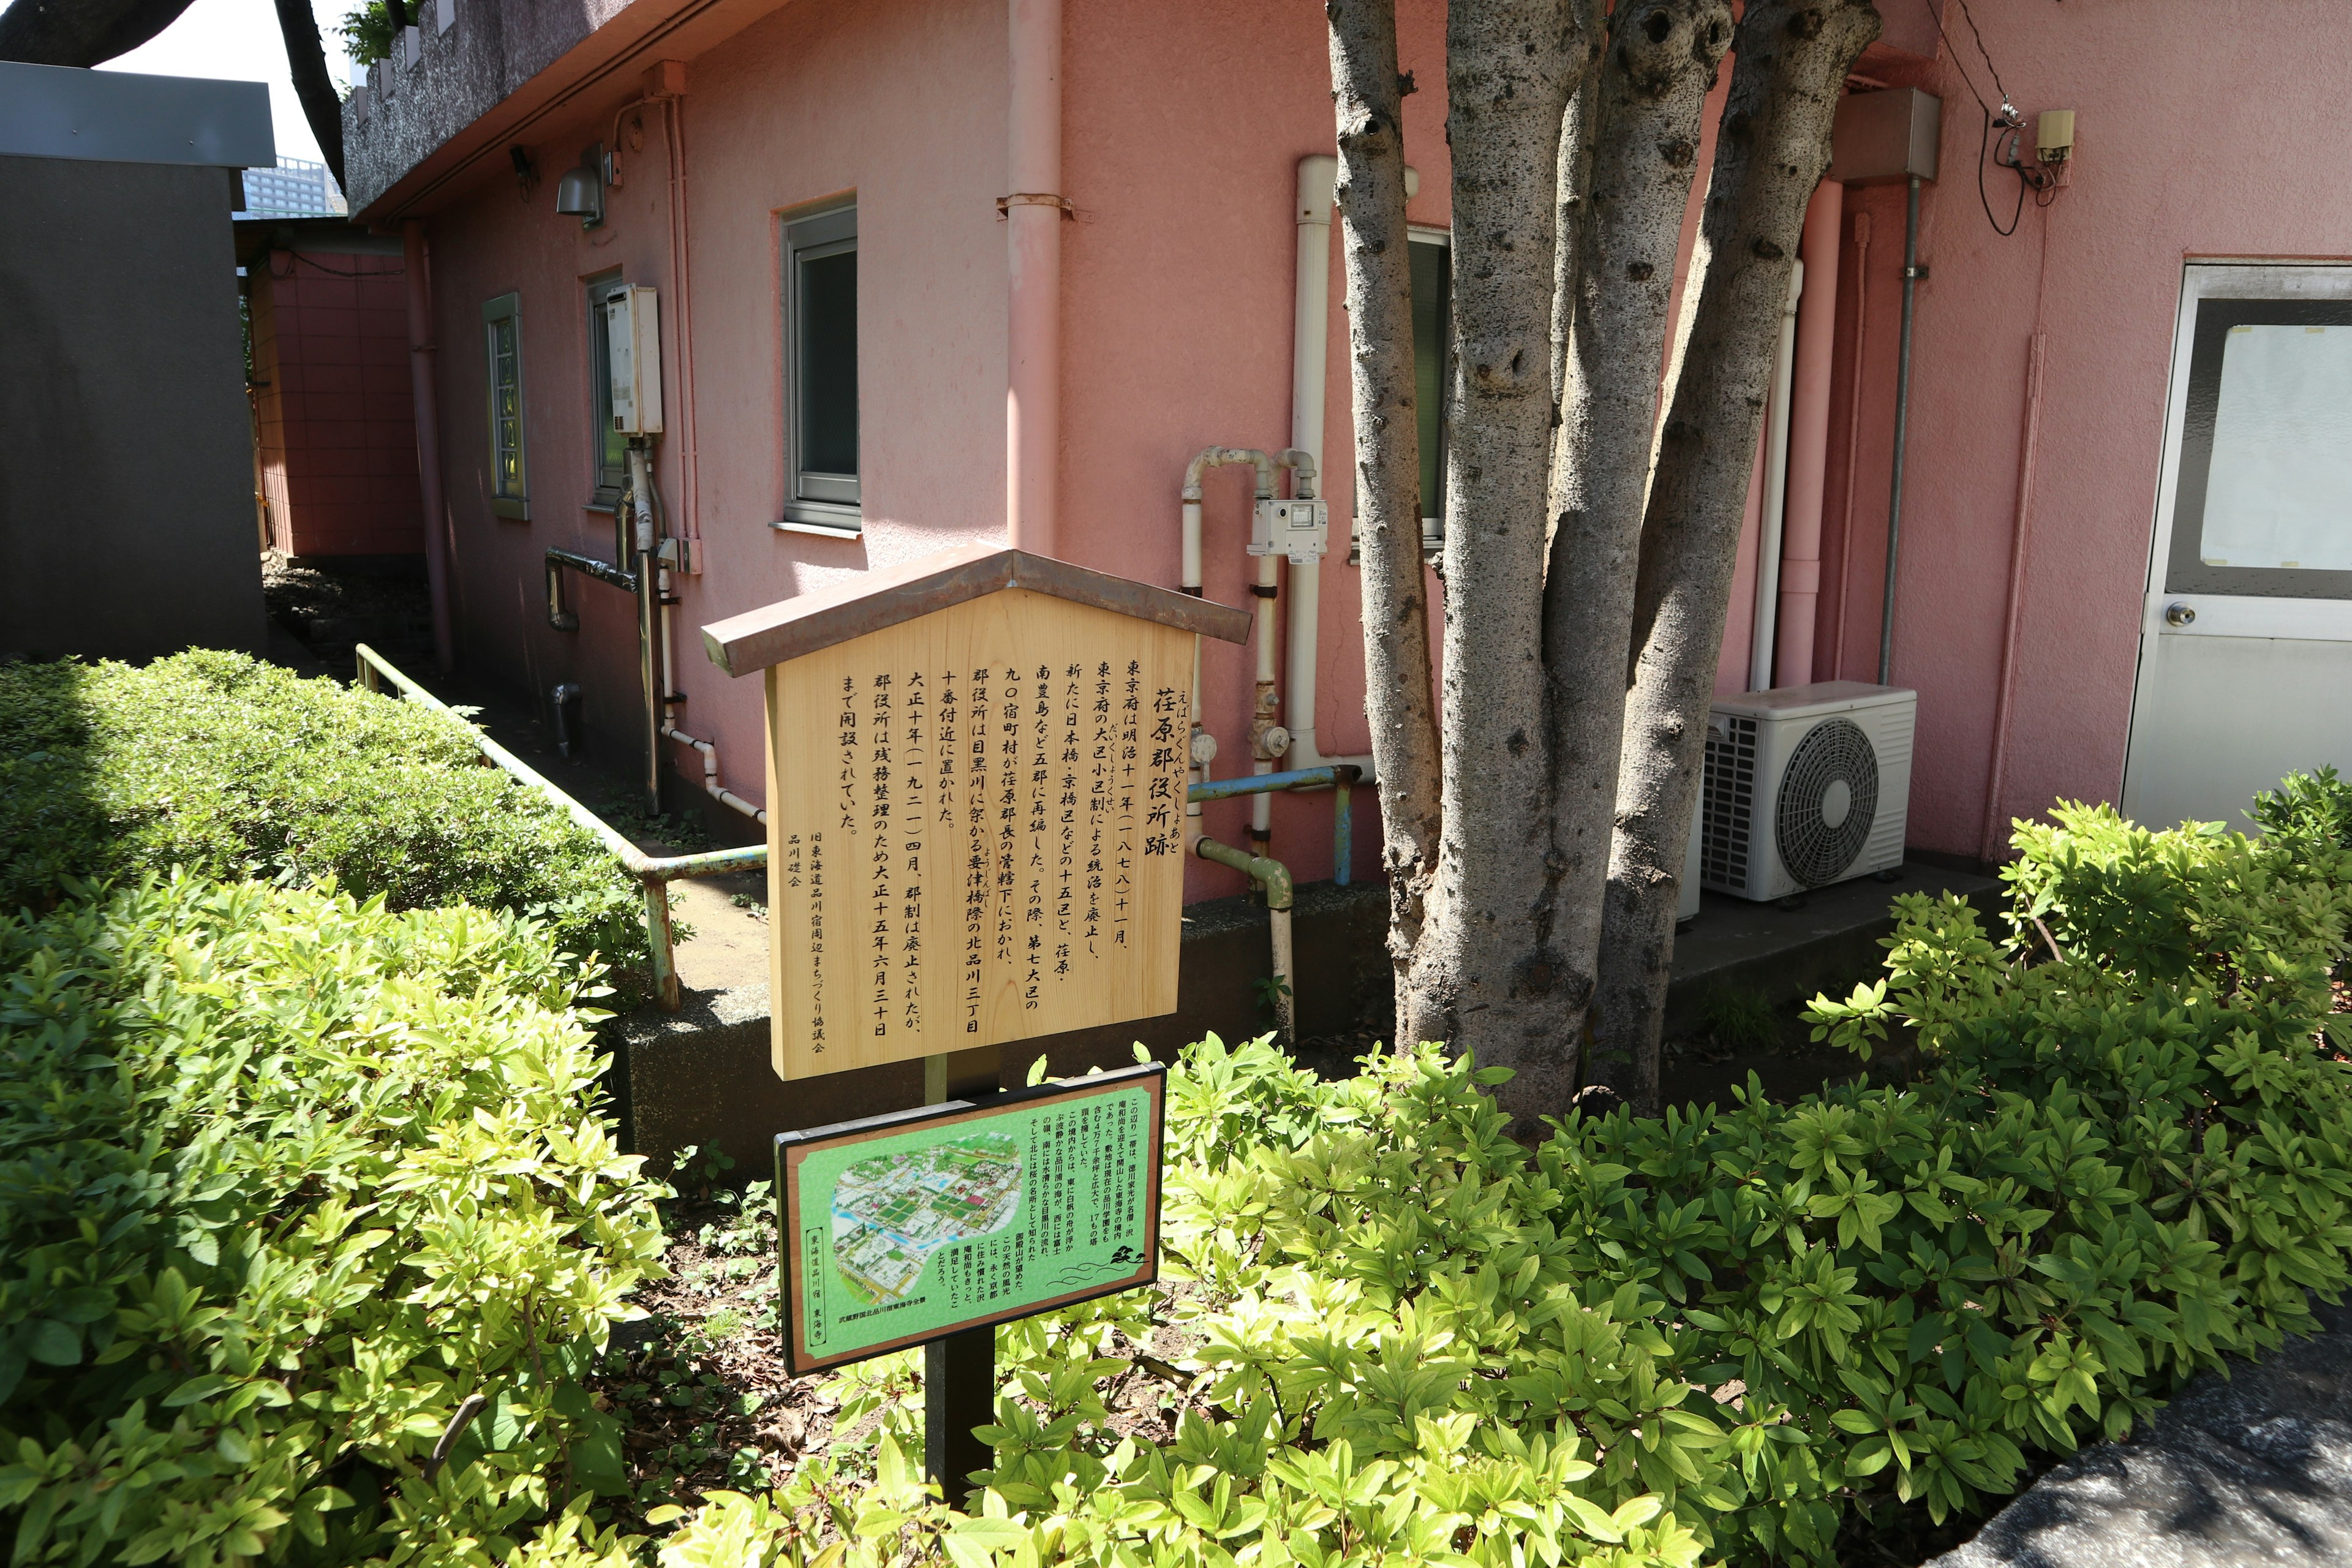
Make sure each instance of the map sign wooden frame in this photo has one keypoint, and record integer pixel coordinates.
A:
(905, 1228)
(976, 781)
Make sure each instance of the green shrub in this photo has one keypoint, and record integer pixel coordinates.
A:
(1715, 1334)
(234, 768)
(285, 1179)
(2307, 811)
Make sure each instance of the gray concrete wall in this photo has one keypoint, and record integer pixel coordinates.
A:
(126, 480)
(407, 111)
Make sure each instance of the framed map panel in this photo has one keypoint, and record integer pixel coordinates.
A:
(908, 1228)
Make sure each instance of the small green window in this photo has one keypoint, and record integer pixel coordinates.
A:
(502, 327)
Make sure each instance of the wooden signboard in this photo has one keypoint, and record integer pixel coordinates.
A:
(975, 804)
(903, 1229)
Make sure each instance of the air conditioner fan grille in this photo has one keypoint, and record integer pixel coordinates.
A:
(1820, 827)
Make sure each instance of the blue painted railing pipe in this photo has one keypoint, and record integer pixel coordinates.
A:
(1338, 777)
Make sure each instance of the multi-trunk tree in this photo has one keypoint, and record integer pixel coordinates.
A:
(1535, 818)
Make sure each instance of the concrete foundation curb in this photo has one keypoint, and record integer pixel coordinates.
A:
(2251, 1468)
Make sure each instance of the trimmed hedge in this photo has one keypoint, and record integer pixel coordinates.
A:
(284, 1180)
(232, 768)
(1716, 1335)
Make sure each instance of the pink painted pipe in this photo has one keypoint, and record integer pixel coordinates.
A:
(1032, 217)
(428, 439)
(1809, 440)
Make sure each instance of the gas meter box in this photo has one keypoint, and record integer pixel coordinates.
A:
(632, 356)
(1300, 529)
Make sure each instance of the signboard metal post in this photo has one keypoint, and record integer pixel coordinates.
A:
(976, 786)
(960, 1371)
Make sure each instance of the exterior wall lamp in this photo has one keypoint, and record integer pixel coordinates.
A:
(581, 192)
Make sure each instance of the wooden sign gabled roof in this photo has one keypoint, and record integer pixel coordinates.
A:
(775, 633)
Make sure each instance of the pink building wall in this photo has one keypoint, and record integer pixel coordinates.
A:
(337, 426)
(2192, 143)
(1178, 278)
(815, 100)
(1182, 131)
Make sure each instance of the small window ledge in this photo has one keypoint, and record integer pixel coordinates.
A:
(829, 521)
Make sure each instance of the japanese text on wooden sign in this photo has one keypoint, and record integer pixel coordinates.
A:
(913, 1226)
(976, 832)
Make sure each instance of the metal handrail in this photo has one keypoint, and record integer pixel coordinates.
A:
(654, 872)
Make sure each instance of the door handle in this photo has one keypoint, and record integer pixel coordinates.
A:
(2179, 614)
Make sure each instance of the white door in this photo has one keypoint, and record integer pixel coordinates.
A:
(2245, 657)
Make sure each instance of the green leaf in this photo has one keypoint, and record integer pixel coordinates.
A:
(52, 1344)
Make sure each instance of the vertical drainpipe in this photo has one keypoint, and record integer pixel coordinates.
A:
(1761, 632)
(1318, 174)
(1902, 424)
(428, 438)
(1032, 217)
(1809, 437)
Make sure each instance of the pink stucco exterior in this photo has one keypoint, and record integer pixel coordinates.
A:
(1177, 298)
(1182, 130)
(335, 428)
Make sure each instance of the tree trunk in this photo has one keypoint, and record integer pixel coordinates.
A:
(1641, 146)
(1399, 699)
(1774, 144)
(306, 60)
(81, 32)
(1490, 954)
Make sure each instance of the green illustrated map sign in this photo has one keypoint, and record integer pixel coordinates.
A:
(908, 1228)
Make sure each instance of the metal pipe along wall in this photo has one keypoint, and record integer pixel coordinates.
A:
(1809, 438)
(428, 440)
(1032, 218)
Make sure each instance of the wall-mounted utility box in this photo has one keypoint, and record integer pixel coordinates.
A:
(633, 353)
(1884, 138)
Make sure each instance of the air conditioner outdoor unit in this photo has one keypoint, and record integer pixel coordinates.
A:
(1805, 785)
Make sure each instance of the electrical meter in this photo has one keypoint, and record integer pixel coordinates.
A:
(632, 356)
(1300, 529)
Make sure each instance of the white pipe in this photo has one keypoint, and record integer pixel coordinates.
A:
(710, 784)
(1286, 1001)
(1776, 498)
(649, 546)
(1204, 745)
(1034, 210)
(1311, 339)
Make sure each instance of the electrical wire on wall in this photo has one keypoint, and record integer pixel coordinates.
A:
(2005, 122)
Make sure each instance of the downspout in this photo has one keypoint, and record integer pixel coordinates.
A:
(1902, 418)
(1853, 437)
(689, 462)
(1310, 336)
(1809, 437)
(1034, 209)
(649, 595)
(1761, 636)
(2037, 358)
(426, 408)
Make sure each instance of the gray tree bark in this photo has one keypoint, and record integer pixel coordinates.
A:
(1792, 57)
(1399, 699)
(306, 62)
(81, 32)
(1490, 953)
(1640, 148)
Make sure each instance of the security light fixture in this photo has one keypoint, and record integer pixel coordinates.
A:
(581, 193)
